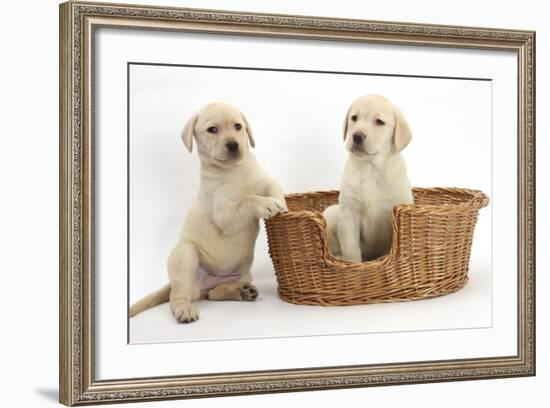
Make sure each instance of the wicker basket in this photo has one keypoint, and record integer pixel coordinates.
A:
(429, 254)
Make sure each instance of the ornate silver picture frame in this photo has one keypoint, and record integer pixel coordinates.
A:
(79, 22)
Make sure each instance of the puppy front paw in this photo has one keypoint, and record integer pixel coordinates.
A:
(249, 292)
(268, 207)
(184, 311)
(281, 203)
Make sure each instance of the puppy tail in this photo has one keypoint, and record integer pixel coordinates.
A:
(154, 299)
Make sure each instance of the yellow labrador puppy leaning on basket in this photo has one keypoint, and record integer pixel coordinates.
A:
(215, 251)
(374, 180)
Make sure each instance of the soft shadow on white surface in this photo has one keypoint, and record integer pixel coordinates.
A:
(50, 394)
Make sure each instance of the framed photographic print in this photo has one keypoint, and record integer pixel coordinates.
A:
(255, 203)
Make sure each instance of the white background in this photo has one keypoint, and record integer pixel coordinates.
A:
(29, 168)
(297, 123)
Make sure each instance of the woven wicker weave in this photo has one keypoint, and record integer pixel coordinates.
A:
(429, 255)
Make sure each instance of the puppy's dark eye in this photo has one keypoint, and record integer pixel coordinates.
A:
(380, 122)
(238, 126)
(354, 118)
(212, 129)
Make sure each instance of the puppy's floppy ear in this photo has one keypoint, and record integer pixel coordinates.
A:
(402, 134)
(189, 131)
(346, 120)
(248, 131)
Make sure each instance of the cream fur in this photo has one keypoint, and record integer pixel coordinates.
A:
(373, 183)
(221, 227)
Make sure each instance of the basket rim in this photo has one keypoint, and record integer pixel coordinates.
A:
(477, 201)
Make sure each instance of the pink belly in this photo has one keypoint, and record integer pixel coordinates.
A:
(209, 279)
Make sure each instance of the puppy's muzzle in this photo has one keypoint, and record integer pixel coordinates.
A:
(358, 138)
(232, 146)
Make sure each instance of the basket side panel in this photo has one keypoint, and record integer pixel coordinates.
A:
(296, 252)
(434, 252)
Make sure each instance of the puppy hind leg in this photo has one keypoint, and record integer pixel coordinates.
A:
(225, 291)
(248, 291)
(185, 288)
(243, 289)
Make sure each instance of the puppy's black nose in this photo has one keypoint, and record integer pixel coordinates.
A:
(232, 146)
(358, 137)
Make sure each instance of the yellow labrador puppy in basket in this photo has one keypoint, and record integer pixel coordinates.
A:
(373, 183)
(215, 251)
